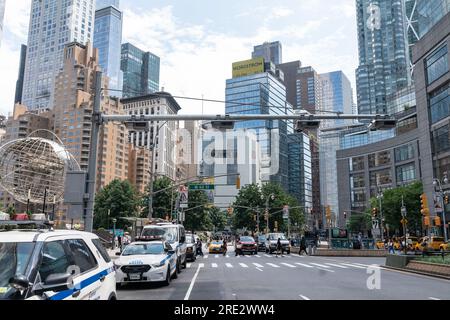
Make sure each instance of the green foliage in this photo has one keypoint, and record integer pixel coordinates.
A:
(163, 202)
(11, 210)
(197, 215)
(392, 203)
(121, 198)
(360, 222)
(218, 218)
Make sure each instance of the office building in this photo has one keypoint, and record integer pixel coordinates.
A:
(139, 163)
(161, 136)
(100, 4)
(19, 82)
(53, 24)
(270, 51)
(384, 66)
(140, 71)
(189, 151)
(430, 12)
(432, 78)
(108, 41)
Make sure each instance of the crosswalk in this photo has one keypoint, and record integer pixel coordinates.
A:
(276, 264)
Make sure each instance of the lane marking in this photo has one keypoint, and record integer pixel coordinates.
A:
(354, 266)
(258, 256)
(337, 265)
(320, 265)
(247, 256)
(288, 265)
(188, 293)
(258, 265)
(214, 265)
(229, 265)
(227, 256)
(205, 257)
(266, 255)
(243, 265)
(324, 269)
(259, 269)
(216, 256)
(432, 298)
(304, 297)
(201, 265)
(188, 265)
(273, 265)
(304, 265)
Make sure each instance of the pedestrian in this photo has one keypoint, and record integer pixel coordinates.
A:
(119, 241)
(279, 248)
(199, 247)
(225, 247)
(391, 247)
(303, 246)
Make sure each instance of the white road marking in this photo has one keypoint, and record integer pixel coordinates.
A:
(188, 265)
(304, 297)
(227, 256)
(266, 255)
(273, 265)
(229, 265)
(304, 265)
(247, 256)
(201, 265)
(368, 265)
(259, 269)
(258, 256)
(205, 257)
(188, 293)
(214, 265)
(243, 265)
(324, 269)
(258, 265)
(216, 256)
(431, 298)
(288, 265)
(354, 266)
(336, 265)
(320, 265)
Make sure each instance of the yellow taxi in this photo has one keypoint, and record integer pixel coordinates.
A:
(379, 244)
(216, 246)
(445, 246)
(433, 244)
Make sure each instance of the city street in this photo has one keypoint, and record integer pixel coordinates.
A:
(291, 277)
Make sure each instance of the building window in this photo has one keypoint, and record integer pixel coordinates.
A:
(441, 139)
(407, 125)
(404, 153)
(440, 104)
(443, 167)
(379, 159)
(357, 181)
(437, 64)
(357, 164)
(406, 173)
(379, 178)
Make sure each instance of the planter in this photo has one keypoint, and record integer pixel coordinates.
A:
(433, 268)
(398, 261)
(349, 253)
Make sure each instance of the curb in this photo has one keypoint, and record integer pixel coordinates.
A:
(419, 272)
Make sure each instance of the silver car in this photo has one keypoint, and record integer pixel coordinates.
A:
(272, 240)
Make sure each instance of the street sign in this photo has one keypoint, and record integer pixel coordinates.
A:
(184, 197)
(403, 211)
(286, 212)
(404, 221)
(197, 186)
(375, 224)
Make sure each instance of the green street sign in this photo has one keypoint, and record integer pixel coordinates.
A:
(195, 187)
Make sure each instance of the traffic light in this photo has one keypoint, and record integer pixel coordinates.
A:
(238, 182)
(426, 221)
(345, 215)
(446, 199)
(437, 221)
(374, 212)
(254, 217)
(424, 205)
(276, 224)
(230, 211)
(328, 212)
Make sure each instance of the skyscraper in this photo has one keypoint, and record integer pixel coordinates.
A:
(2, 15)
(383, 53)
(108, 41)
(53, 24)
(100, 4)
(140, 71)
(270, 51)
(430, 12)
(19, 82)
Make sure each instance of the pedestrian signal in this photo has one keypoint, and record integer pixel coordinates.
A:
(426, 221)
(446, 199)
(424, 205)
(238, 182)
(374, 212)
(437, 221)
(230, 211)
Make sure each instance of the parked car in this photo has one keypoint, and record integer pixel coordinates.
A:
(430, 244)
(245, 244)
(191, 247)
(271, 243)
(444, 247)
(261, 242)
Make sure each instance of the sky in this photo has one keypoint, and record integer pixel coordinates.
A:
(198, 40)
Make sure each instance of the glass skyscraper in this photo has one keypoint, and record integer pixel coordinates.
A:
(53, 24)
(430, 12)
(108, 40)
(383, 53)
(270, 51)
(140, 71)
(100, 4)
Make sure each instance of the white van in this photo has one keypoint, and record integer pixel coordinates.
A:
(172, 233)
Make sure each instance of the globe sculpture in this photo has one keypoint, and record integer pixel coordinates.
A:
(35, 167)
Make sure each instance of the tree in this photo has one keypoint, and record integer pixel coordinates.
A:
(11, 210)
(392, 203)
(197, 214)
(361, 222)
(247, 203)
(163, 202)
(119, 199)
(218, 218)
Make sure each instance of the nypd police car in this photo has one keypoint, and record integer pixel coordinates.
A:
(146, 262)
(54, 265)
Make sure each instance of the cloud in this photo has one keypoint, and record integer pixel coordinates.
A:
(281, 12)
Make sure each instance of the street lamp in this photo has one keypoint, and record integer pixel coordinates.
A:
(437, 183)
(114, 220)
(379, 197)
(271, 196)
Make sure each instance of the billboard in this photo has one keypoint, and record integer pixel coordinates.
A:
(248, 67)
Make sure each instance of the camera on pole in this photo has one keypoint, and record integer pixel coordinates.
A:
(382, 123)
(137, 124)
(306, 123)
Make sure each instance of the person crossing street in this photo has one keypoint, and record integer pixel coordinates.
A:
(279, 248)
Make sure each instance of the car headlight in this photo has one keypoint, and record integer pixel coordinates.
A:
(158, 265)
(239, 246)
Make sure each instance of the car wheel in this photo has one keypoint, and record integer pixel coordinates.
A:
(118, 286)
(167, 281)
(288, 252)
(178, 269)
(175, 274)
(194, 258)
(184, 263)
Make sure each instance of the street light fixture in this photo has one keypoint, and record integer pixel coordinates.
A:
(437, 183)
(114, 220)
(379, 197)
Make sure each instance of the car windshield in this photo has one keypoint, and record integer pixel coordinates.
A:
(143, 249)
(261, 238)
(277, 236)
(169, 233)
(14, 258)
(247, 239)
(189, 239)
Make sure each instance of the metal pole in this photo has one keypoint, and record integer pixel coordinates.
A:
(92, 165)
(267, 215)
(45, 198)
(150, 192)
(443, 212)
(28, 200)
(53, 211)
(381, 220)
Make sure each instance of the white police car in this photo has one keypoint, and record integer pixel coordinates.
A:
(54, 265)
(146, 262)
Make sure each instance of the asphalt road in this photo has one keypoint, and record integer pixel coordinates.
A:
(291, 277)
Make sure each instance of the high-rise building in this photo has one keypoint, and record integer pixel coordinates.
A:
(19, 82)
(412, 27)
(270, 51)
(53, 24)
(431, 12)
(140, 71)
(108, 41)
(2, 15)
(139, 162)
(100, 4)
(162, 136)
(384, 66)
(256, 89)
(189, 155)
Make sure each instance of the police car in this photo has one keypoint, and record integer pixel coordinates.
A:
(45, 264)
(146, 262)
